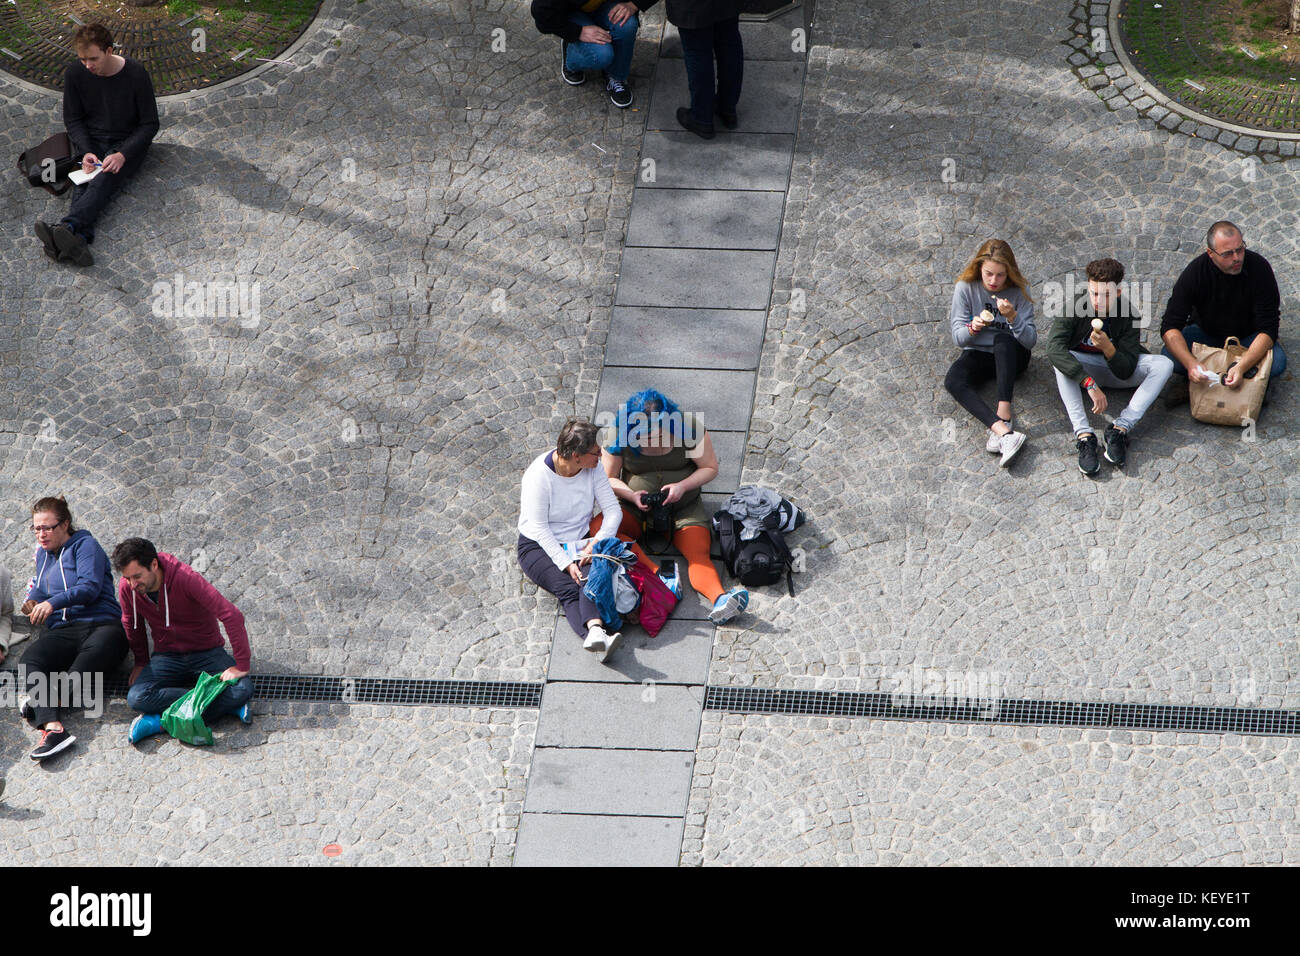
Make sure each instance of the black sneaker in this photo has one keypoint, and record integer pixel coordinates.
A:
(618, 92)
(52, 741)
(1089, 463)
(729, 120)
(1116, 446)
(46, 235)
(572, 77)
(687, 121)
(72, 246)
(1176, 391)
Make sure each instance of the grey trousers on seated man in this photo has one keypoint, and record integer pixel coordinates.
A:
(1149, 378)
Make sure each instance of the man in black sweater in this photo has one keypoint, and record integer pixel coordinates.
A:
(111, 117)
(1225, 291)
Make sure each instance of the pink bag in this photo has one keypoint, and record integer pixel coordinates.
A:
(657, 602)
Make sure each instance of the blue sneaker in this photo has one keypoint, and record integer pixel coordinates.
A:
(144, 726)
(669, 576)
(729, 605)
(245, 714)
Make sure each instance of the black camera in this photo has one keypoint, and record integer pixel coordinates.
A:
(660, 520)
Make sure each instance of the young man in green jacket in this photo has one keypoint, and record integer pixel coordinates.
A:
(1087, 357)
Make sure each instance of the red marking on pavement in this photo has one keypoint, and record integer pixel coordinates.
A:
(332, 849)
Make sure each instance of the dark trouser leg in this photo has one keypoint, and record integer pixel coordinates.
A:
(50, 653)
(89, 201)
(971, 368)
(85, 649)
(541, 570)
(1010, 360)
(168, 677)
(730, 51)
(697, 54)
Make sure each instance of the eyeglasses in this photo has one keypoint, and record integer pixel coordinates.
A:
(39, 528)
(1232, 253)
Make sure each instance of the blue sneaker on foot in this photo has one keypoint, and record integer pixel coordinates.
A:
(245, 714)
(669, 576)
(729, 605)
(146, 725)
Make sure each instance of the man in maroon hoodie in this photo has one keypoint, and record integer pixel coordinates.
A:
(182, 610)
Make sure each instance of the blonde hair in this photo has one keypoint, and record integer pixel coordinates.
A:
(996, 250)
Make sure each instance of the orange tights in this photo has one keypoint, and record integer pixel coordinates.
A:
(692, 542)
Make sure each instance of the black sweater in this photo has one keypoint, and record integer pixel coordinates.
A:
(1224, 305)
(119, 110)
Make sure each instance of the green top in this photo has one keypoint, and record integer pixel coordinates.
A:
(642, 472)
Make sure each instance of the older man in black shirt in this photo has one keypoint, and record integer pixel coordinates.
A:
(1226, 291)
(111, 116)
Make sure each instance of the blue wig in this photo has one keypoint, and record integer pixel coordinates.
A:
(634, 424)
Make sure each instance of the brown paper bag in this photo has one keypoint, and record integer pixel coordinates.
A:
(1218, 404)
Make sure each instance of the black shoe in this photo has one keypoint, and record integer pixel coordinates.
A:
(1089, 463)
(52, 741)
(1176, 391)
(46, 235)
(687, 121)
(618, 92)
(72, 246)
(729, 120)
(1116, 446)
(572, 77)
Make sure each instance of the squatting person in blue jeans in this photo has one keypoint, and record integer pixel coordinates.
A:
(182, 610)
(594, 35)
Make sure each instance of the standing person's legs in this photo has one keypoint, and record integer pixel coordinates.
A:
(730, 53)
(971, 369)
(693, 542)
(697, 54)
(541, 570)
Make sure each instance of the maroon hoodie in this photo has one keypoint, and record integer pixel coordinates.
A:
(185, 618)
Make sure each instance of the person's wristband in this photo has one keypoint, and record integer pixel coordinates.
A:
(1089, 383)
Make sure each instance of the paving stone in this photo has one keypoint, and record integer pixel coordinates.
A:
(705, 218)
(670, 277)
(609, 782)
(755, 161)
(563, 839)
(685, 338)
(679, 654)
(721, 398)
(620, 716)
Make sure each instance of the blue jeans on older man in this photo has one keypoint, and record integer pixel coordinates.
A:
(1194, 333)
(167, 677)
(615, 57)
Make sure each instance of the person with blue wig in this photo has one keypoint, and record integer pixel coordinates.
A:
(658, 447)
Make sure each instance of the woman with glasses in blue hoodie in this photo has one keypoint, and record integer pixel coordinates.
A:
(77, 620)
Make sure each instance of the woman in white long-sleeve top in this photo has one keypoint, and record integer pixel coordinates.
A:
(992, 319)
(555, 506)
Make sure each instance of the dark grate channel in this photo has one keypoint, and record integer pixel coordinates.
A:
(377, 690)
(1046, 713)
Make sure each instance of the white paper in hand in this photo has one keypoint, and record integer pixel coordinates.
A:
(80, 179)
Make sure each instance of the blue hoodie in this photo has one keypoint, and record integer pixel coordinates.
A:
(77, 581)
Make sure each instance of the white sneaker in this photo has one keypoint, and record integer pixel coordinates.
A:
(596, 640)
(605, 655)
(994, 444)
(1010, 444)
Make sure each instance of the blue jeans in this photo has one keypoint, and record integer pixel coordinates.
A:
(1193, 333)
(167, 677)
(700, 49)
(615, 57)
(89, 201)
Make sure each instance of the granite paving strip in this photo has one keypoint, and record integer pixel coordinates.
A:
(694, 285)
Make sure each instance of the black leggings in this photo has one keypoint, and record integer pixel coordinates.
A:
(541, 570)
(1006, 362)
(82, 647)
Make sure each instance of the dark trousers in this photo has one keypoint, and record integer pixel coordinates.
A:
(83, 647)
(168, 677)
(88, 201)
(700, 48)
(541, 570)
(1006, 363)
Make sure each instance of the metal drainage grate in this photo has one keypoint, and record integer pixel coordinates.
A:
(1048, 713)
(377, 690)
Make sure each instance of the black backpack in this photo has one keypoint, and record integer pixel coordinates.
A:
(762, 559)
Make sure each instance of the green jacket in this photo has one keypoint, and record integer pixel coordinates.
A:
(1068, 331)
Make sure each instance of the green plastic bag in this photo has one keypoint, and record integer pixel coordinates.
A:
(184, 718)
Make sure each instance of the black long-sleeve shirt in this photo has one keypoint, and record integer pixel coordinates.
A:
(119, 110)
(552, 16)
(1224, 305)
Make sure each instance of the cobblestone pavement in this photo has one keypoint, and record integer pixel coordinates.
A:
(435, 230)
